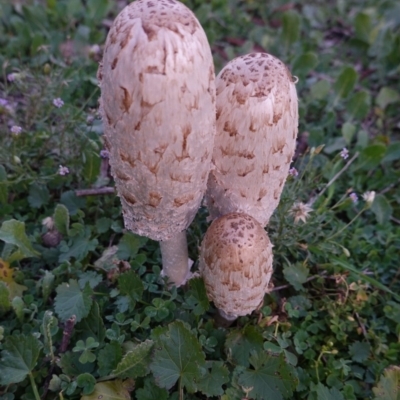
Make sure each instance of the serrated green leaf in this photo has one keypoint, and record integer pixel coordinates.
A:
(49, 325)
(80, 248)
(345, 82)
(71, 300)
(38, 195)
(109, 357)
(324, 393)
(240, 343)
(387, 96)
(382, 209)
(359, 105)
(151, 391)
(109, 390)
(92, 278)
(61, 219)
(199, 294)
(178, 356)
(305, 63)
(211, 383)
(296, 275)
(135, 362)
(13, 232)
(388, 387)
(290, 27)
(360, 351)
(18, 358)
(272, 378)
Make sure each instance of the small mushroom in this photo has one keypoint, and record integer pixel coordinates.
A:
(236, 264)
(158, 105)
(257, 119)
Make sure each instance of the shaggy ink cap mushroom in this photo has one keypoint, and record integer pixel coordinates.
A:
(257, 123)
(236, 264)
(158, 106)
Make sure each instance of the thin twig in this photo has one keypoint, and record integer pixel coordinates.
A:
(95, 191)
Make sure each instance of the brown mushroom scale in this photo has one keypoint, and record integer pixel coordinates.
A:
(158, 106)
(236, 264)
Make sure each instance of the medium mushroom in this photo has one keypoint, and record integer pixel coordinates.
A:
(257, 119)
(158, 105)
(236, 264)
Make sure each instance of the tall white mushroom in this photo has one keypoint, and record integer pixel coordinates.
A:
(257, 120)
(158, 104)
(257, 123)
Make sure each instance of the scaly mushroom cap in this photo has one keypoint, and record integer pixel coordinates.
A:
(158, 105)
(236, 263)
(257, 119)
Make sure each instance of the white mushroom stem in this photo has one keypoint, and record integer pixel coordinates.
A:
(175, 260)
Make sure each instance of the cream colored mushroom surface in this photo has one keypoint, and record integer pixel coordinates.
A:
(236, 264)
(158, 105)
(257, 123)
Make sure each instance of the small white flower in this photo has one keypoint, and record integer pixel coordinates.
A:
(16, 130)
(63, 170)
(104, 154)
(11, 77)
(344, 153)
(94, 49)
(300, 211)
(48, 222)
(58, 102)
(293, 172)
(369, 197)
(353, 197)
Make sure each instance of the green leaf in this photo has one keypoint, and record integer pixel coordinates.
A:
(72, 202)
(371, 156)
(129, 245)
(387, 96)
(296, 275)
(305, 63)
(363, 26)
(382, 209)
(87, 382)
(5, 304)
(48, 328)
(290, 27)
(130, 284)
(320, 90)
(323, 393)
(71, 366)
(345, 83)
(177, 356)
(135, 362)
(359, 105)
(80, 248)
(197, 296)
(61, 219)
(392, 153)
(109, 357)
(13, 232)
(47, 284)
(103, 224)
(109, 390)
(388, 387)
(91, 167)
(272, 378)
(360, 351)
(71, 300)
(240, 343)
(211, 383)
(92, 325)
(348, 131)
(151, 391)
(18, 358)
(38, 195)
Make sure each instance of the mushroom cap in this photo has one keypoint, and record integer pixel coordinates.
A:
(158, 105)
(236, 263)
(257, 119)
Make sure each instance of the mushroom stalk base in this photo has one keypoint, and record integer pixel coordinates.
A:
(175, 259)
